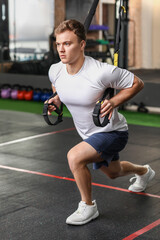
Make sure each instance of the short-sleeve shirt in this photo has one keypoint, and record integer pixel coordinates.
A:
(81, 91)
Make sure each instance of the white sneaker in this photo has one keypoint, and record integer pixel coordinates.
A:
(84, 214)
(142, 180)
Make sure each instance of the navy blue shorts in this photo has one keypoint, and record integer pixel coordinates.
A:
(109, 144)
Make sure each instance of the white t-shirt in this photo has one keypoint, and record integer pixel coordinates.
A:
(81, 91)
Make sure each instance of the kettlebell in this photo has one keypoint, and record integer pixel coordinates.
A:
(14, 91)
(46, 93)
(6, 91)
(28, 95)
(21, 93)
(37, 92)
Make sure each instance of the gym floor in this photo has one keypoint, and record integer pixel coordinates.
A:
(38, 192)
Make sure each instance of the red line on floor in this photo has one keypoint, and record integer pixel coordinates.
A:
(126, 190)
(71, 179)
(143, 230)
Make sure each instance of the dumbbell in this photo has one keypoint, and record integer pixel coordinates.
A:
(6, 91)
(28, 95)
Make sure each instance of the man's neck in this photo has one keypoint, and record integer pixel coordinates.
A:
(74, 68)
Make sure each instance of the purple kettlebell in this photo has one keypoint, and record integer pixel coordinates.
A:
(6, 91)
(14, 91)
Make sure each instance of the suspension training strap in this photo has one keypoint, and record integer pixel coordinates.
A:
(116, 50)
(90, 15)
(109, 92)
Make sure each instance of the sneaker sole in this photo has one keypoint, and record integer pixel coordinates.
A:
(84, 222)
(150, 178)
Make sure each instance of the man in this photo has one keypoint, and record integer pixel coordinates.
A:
(80, 81)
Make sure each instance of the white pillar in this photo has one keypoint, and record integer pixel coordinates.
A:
(146, 26)
(156, 34)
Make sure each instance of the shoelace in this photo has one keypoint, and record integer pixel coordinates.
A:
(81, 208)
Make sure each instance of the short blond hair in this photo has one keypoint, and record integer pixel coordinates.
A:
(74, 26)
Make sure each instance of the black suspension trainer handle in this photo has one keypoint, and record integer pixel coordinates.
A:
(109, 92)
(59, 111)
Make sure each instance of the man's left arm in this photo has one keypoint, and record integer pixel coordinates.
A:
(123, 96)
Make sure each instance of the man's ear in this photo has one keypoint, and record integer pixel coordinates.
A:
(83, 44)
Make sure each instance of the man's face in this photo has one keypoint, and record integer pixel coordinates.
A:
(69, 48)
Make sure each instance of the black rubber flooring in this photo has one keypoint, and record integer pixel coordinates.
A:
(37, 193)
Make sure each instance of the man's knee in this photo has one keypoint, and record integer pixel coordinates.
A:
(73, 160)
(113, 171)
(113, 175)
